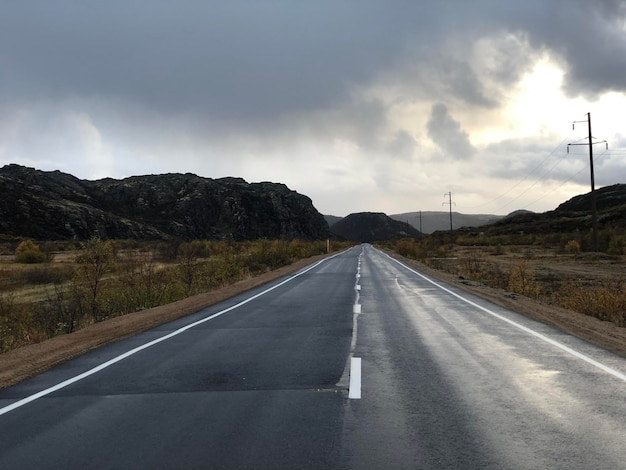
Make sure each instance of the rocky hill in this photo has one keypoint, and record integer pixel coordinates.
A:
(372, 226)
(571, 216)
(54, 205)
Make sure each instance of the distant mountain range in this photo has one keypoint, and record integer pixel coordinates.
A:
(54, 205)
(432, 221)
(573, 215)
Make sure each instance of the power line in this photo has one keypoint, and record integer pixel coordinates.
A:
(539, 165)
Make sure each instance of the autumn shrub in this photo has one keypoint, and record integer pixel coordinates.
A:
(606, 301)
(28, 252)
(522, 280)
(572, 247)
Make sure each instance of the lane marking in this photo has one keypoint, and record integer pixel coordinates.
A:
(542, 337)
(127, 354)
(345, 381)
(355, 379)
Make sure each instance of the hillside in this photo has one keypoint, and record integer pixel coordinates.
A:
(372, 226)
(432, 221)
(55, 205)
(571, 216)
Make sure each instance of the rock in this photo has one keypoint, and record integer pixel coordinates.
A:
(54, 205)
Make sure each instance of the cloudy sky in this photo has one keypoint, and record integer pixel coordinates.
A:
(362, 105)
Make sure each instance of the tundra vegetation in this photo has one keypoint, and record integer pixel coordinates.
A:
(53, 288)
(552, 268)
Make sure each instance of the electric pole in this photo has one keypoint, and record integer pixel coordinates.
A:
(421, 224)
(594, 208)
(449, 202)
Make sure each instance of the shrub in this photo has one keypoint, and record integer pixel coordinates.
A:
(572, 247)
(28, 252)
(96, 259)
(522, 280)
(472, 264)
(606, 301)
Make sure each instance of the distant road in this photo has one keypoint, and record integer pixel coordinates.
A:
(262, 381)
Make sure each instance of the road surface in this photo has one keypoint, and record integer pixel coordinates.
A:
(355, 362)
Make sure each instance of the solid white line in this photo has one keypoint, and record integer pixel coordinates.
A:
(355, 379)
(121, 357)
(542, 337)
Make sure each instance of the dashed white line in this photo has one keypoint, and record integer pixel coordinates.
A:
(355, 379)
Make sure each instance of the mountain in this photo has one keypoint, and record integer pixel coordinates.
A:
(372, 226)
(54, 205)
(440, 220)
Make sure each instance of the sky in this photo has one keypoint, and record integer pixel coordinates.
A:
(361, 105)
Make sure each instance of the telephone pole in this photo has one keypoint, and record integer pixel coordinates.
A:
(594, 208)
(421, 224)
(449, 202)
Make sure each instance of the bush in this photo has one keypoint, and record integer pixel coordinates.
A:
(606, 302)
(522, 280)
(572, 247)
(27, 252)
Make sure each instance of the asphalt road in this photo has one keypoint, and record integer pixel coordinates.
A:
(263, 381)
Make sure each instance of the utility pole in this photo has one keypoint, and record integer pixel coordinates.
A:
(594, 208)
(449, 202)
(421, 233)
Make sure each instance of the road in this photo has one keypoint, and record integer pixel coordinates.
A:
(271, 379)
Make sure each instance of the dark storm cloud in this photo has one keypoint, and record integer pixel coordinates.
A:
(239, 60)
(250, 60)
(448, 134)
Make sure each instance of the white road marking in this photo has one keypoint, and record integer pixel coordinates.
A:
(542, 337)
(121, 357)
(355, 379)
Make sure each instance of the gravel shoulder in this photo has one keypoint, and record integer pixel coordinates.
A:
(25, 362)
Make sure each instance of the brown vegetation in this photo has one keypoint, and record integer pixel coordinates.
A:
(560, 281)
(106, 279)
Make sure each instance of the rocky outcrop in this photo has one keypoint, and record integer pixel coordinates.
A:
(54, 205)
(372, 226)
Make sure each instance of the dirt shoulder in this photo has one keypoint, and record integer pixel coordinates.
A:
(28, 361)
